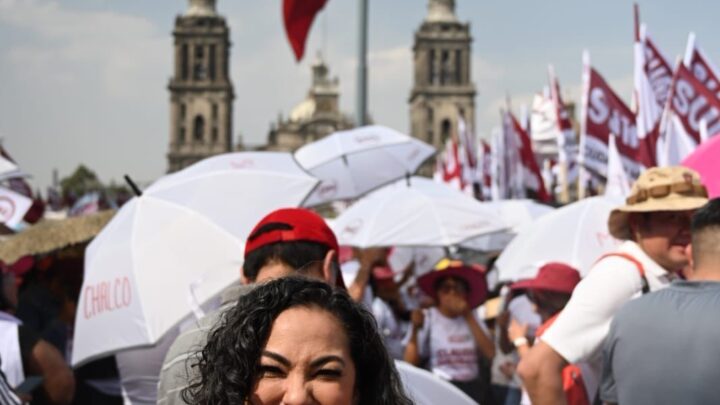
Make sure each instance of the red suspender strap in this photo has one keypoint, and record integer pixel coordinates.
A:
(638, 265)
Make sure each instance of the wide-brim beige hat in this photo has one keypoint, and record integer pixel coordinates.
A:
(674, 188)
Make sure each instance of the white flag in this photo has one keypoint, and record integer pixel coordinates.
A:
(13, 207)
(618, 184)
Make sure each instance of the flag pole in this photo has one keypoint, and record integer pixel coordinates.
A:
(361, 107)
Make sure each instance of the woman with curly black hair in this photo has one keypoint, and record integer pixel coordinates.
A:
(295, 340)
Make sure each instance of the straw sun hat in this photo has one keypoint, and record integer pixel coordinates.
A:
(673, 188)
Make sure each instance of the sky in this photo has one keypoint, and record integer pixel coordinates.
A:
(85, 81)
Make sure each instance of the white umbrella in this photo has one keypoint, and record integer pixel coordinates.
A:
(351, 163)
(179, 244)
(415, 212)
(516, 213)
(576, 234)
(425, 388)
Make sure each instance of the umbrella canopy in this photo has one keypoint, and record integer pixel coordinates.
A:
(576, 234)
(705, 160)
(425, 388)
(415, 212)
(516, 213)
(53, 234)
(351, 163)
(179, 244)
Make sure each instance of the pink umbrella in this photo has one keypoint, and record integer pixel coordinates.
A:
(706, 160)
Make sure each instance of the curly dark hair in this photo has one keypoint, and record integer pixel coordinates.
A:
(229, 364)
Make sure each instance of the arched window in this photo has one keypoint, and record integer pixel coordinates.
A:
(184, 62)
(198, 128)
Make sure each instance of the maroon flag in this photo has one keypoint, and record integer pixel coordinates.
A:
(701, 67)
(298, 16)
(691, 103)
(652, 80)
(532, 178)
(605, 113)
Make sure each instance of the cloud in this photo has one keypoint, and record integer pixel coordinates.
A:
(83, 86)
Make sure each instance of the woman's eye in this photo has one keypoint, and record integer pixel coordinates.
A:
(329, 373)
(270, 371)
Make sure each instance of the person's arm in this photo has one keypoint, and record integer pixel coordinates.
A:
(368, 258)
(541, 372)
(517, 334)
(407, 273)
(580, 328)
(412, 349)
(58, 379)
(483, 341)
(504, 341)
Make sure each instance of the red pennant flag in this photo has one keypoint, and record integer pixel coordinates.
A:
(532, 178)
(605, 113)
(298, 16)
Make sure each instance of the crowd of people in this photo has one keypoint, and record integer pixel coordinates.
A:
(307, 323)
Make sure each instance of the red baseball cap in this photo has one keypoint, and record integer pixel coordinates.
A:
(299, 225)
(554, 276)
(295, 225)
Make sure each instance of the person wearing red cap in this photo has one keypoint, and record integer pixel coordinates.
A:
(450, 336)
(285, 242)
(549, 291)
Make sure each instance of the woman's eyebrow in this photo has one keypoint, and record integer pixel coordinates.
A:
(277, 357)
(326, 359)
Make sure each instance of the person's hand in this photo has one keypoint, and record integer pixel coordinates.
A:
(517, 330)
(371, 257)
(458, 305)
(417, 318)
(503, 320)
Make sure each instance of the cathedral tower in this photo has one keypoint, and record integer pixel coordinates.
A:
(201, 93)
(442, 86)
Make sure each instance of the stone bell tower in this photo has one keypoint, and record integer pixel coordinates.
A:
(201, 93)
(442, 86)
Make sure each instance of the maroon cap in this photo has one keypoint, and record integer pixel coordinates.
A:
(474, 276)
(554, 276)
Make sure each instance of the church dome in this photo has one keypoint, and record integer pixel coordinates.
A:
(303, 111)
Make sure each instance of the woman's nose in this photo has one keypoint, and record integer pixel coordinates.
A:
(297, 391)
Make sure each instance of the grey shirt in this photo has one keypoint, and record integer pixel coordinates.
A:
(176, 373)
(664, 348)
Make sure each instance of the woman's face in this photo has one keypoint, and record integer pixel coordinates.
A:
(452, 296)
(306, 361)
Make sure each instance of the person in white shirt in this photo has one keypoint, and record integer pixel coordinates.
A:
(655, 224)
(389, 309)
(450, 337)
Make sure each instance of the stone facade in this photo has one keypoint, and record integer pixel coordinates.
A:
(315, 117)
(442, 84)
(201, 93)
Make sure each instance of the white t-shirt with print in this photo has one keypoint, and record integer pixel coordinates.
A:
(392, 329)
(449, 345)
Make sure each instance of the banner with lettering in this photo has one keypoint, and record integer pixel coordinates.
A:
(604, 113)
(701, 66)
(652, 80)
(691, 106)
